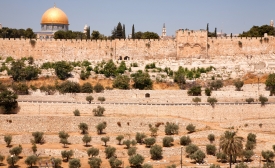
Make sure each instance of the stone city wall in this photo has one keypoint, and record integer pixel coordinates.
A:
(187, 44)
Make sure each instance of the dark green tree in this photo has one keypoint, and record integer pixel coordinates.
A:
(88, 35)
(133, 31)
(62, 69)
(67, 154)
(74, 163)
(110, 152)
(119, 31)
(93, 152)
(191, 148)
(171, 128)
(31, 160)
(140, 137)
(69, 87)
(198, 156)
(105, 140)
(89, 99)
(167, 141)
(12, 160)
(211, 149)
(238, 84)
(95, 35)
(142, 81)
(38, 137)
(8, 101)
(87, 88)
(8, 139)
(123, 32)
(150, 35)
(100, 127)
(83, 127)
(270, 84)
(95, 162)
(136, 160)
(185, 140)
(110, 69)
(98, 88)
(122, 82)
(16, 150)
(149, 142)
(115, 163)
(156, 152)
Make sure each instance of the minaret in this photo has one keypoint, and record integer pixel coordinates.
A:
(163, 31)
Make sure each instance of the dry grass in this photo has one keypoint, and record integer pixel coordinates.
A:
(252, 78)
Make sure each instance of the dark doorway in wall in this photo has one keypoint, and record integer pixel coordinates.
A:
(126, 58)
(147, 95)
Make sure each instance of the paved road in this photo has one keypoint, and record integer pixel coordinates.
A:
(143, 104)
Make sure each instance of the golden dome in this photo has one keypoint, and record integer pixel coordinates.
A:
(54, 16)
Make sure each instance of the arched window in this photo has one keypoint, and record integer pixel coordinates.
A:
(147, 95)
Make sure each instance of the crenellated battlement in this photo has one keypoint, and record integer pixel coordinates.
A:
(187, 44)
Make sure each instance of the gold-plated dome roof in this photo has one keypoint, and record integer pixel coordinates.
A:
(54, 16)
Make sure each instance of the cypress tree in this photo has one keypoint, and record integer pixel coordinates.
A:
(123, 32)
(215, 32)
(207, 28)
(133, 31)
(119, 31)
(88, 35)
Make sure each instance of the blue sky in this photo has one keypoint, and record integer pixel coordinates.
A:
(232, 16)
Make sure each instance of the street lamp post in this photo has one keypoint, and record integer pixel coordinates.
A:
(181, 156)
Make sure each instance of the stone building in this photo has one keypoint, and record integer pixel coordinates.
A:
(54, 19)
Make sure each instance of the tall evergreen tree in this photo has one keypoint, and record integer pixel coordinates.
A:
(133, 31)
(119, 31)
(88, 33)
(207, 27)
(123, 32)
(215, 32)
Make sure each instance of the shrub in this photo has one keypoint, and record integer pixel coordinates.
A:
(140, 137)
(185, 140)
(83, 127)
(38, 137)
(76, 112)
(86, 139)
(212, 101)
(251, 141)
(62, 69)
(89, 99)
(74, 163)
(156, 152)
(238, 84)
(101, 99)
(98, 88)
(34, 148)
(119, 138)
(16, 150)
(110, 151)
(247, 154)
(208, 91)
(128, 143)
(87, 88)
(154, 131)
(57, 162)
(191, 148)
(263, 100)
(241, 165)
(8, 139)
(12, 160)
(215, 166)
(67, 154)
(142, 81)
(95, 162)
(136, 160)
(122, 82)
(99, 111)
(167, 141)
(190, 128)
(211, 138)
(31, 160)
(216, 84)
(196, 100)
(249, 100)
(63, 134)
(114, 162)
(221, 157)
(69, 87)
(105, 140)
(171, 129)
(100, 127)
(93, 152)
(171, 166)
(20, 89)
(268, 155)
(132, 151)
(194, 91)
(198, 156)
(211, 149)
(269, 165)
(149, 141)
(147, 166)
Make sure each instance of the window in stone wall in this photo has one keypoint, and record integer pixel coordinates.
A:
(126, 58)
(147, 95)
